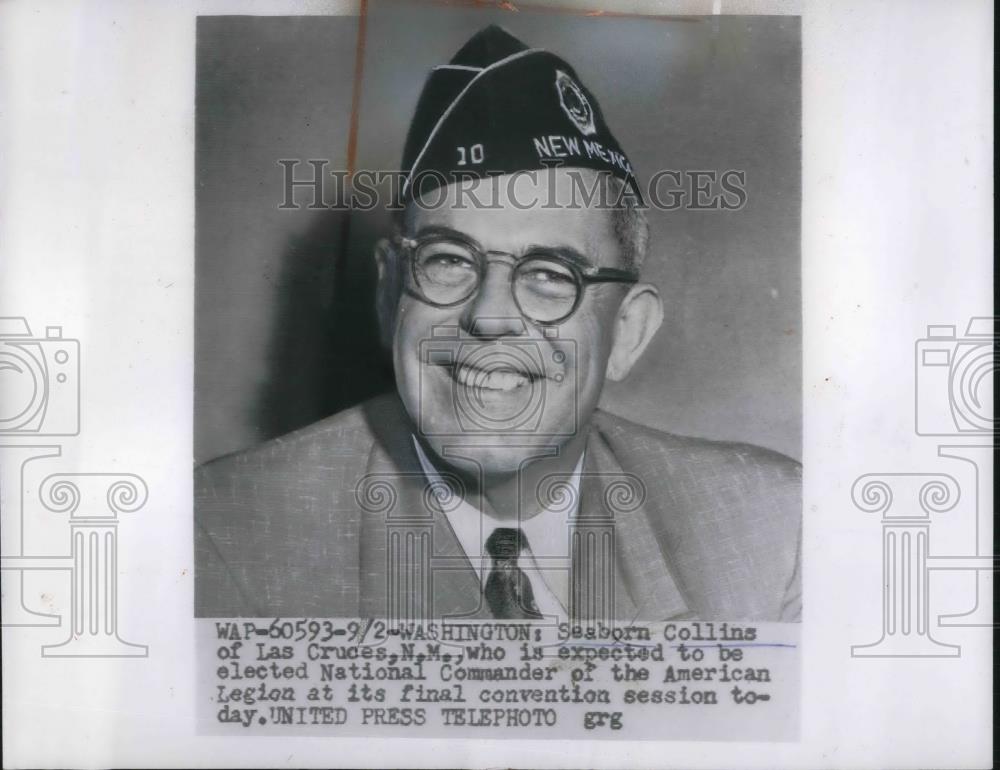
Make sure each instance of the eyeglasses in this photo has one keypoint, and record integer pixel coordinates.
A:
(547, 287)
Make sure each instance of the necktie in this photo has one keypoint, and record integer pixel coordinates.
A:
(508, 590)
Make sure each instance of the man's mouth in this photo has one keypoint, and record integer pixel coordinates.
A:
(495, 378)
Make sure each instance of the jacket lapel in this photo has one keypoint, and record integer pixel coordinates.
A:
(643, 586)
(413, 565)
(457, 592)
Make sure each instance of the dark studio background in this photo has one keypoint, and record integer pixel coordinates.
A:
(285, 329)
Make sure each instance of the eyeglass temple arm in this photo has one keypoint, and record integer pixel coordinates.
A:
(609, 275)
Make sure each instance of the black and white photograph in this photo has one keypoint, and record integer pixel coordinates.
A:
(497, 384)
(525, 342)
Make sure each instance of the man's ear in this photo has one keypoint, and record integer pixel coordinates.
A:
(639, 316)
(387, 290)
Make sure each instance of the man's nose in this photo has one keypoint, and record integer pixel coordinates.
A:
(493, 311)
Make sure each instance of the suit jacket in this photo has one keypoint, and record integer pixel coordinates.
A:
(336, 519)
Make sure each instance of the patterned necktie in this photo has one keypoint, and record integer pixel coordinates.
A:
(508, 590)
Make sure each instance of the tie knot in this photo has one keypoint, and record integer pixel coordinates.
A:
(506, 543)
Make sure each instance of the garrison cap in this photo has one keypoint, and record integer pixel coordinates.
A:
(499, 107)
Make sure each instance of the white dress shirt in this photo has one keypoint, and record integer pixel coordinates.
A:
(546, 560)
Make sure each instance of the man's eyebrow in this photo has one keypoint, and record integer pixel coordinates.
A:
(447, 232)
(566, 252)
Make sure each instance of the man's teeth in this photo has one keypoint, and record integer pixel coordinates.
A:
(494, 379)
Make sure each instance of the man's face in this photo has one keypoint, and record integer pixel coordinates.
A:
(482, 376)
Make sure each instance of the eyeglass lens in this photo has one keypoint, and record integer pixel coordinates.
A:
(448, 272)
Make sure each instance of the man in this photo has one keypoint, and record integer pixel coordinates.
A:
(490, 485)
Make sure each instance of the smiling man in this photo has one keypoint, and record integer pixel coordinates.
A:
(490, 484)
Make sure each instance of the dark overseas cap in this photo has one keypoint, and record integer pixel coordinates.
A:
(499, 107)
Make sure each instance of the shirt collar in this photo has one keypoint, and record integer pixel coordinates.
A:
(547, 531)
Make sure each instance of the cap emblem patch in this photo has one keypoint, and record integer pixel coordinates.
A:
(575, 104)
